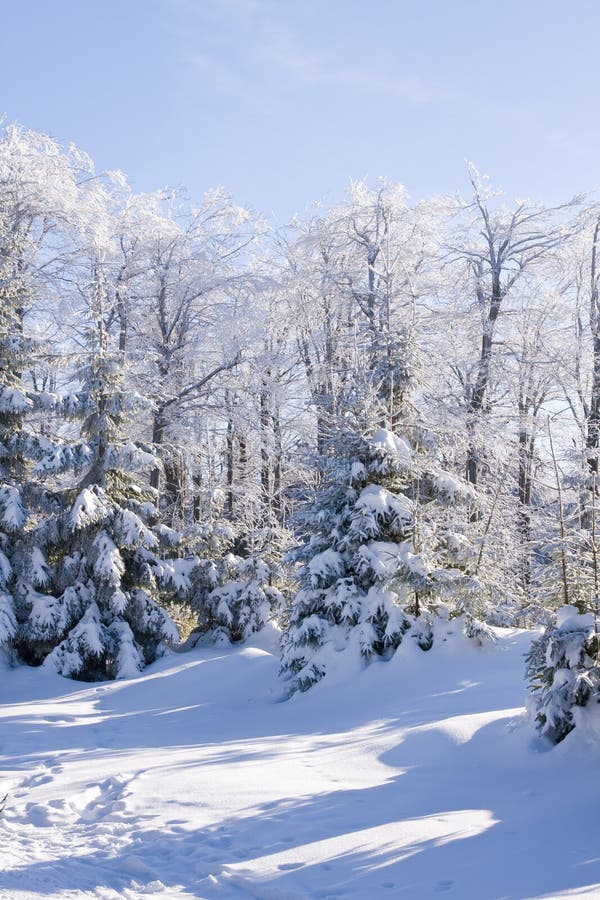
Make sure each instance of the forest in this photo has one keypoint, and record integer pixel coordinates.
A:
(380, 418)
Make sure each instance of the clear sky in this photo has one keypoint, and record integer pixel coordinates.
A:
(283, 101)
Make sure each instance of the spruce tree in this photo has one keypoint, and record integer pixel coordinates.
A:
(235, 594)
(373, 565)
(105, 620)
(14, 444)
(23, 566)
(563, 672)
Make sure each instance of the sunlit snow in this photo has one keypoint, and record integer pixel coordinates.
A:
(411, 778)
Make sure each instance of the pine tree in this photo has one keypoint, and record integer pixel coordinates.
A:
(105, 620)
(23, 567)
(373, 564)
(234, 594)
(14, 442)
(36, 181)
(563, 665)
(563, 672)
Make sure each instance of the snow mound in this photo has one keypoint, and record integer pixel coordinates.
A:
(386, 440)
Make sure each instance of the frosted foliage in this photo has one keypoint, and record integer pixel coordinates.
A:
(381, 625)
(91, 506)
(8, 623)
(384, 559)
(243, 602)
(364, 582)
(14, 401)
(106, 560)
(49, 617)
(129, 659)
(151, 621)
(60, 459)
(130, 458)
(167, 535)
(392, 444)
(376, 505)
(358, 556)
(83, 647)
(325, 565)
(118, 602)
(133, 532)
(5, 570)
(176, 574)
(39, 571)
(106, 573)
(452, 488)
(563, 673)
(12, 514)
(459, 548)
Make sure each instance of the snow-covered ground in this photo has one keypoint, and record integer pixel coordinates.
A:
(415, 778)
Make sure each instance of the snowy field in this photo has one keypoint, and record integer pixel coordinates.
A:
(415, 778)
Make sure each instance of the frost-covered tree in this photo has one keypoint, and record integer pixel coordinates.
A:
(496, 248)
(244, 602)
(563, 672)
(372, 568)
(37, 191)
(101, 617)
(234, 595)
(104, 620)
(184, 321)
(14, 444)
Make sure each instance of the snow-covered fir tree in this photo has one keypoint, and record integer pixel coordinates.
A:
(563, 665)
(235, 594)
(23, 567)
(104, 620)
(14, 445)
(563, 672)
(36, 189)
(372, 569)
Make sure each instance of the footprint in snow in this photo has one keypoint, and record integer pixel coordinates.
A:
(41, 816)
(133, 865)
(36, 780)
(40, 777)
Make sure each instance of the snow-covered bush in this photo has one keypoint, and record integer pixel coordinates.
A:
(563, 672)
(233, 595)
(245, 602)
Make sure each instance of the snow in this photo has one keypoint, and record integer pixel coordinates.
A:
(14, 401)
(568, 618)
(324, 564)
(108, 563)
(133, 532)
(89, 507)
(381, 502)
(12, 514)
(8, 623)
(410, 778)
(384, 558)
(447, 484)
(5, 569)
(391, 443)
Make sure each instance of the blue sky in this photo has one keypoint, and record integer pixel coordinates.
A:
(283, 101)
